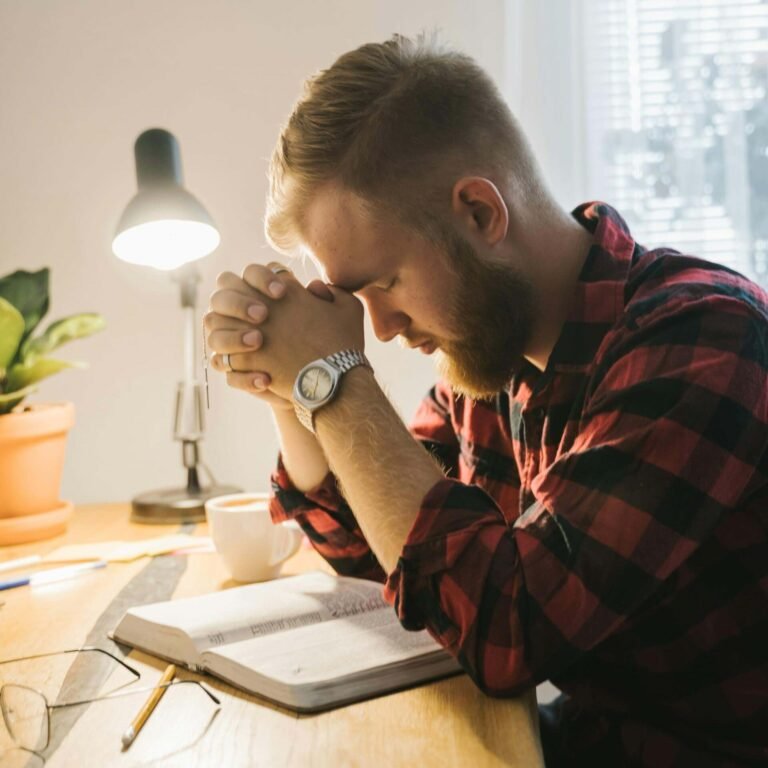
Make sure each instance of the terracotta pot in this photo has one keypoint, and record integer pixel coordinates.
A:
(32, 445)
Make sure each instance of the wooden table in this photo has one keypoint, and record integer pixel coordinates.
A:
(445, 723)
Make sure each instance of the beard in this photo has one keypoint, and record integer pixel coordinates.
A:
(491, 315)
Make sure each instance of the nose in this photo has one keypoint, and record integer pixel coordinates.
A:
(387, 323)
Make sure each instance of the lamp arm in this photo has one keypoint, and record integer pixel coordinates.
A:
(189, 278)
(189, 422)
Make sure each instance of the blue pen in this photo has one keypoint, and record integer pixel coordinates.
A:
(51, 575)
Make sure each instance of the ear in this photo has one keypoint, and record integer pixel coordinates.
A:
(479, 205)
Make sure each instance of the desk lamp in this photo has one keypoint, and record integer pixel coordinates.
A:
(167, 228)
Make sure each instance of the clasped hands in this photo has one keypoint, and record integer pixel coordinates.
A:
(272, 326)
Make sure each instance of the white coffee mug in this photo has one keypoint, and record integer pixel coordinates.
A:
(252, 546)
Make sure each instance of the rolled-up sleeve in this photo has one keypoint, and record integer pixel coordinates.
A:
(458, 529)
(327, 520)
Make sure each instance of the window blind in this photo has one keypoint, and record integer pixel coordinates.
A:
(676, 123)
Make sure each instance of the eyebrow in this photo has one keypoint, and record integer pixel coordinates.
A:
(356, 286)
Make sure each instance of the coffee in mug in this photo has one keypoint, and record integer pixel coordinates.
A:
(252, 546)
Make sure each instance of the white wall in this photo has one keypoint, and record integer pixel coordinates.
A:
(79, 80)
(542, 83)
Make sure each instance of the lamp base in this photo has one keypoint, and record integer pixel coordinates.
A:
(176, 505)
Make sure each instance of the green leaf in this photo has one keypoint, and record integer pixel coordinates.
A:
(11, 333)
(10, 400)
(60, 332)
(24, 374)
(28, 292)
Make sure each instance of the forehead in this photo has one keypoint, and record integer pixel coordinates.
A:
(345, 238)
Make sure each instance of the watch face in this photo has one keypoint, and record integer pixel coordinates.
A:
(316, 384)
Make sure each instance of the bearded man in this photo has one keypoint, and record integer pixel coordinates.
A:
(583, 495)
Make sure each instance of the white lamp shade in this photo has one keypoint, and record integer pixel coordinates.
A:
(166, 244)
(163, 226)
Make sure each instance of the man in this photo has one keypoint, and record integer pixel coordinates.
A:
(586, 499)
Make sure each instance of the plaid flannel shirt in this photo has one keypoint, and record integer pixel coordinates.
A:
(604, 523)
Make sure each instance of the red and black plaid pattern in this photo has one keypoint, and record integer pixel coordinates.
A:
(604, 523)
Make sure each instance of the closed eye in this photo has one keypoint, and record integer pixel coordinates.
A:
(390, 285)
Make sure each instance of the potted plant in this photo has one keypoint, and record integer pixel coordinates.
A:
(33, 437)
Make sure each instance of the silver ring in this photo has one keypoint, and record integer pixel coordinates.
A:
(277, 267)
(227, 363)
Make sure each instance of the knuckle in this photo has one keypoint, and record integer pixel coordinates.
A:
(211, 320)
(253, 275)
(238, 379)
(213, 298)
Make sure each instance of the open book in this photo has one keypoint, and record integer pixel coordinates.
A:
(309, 642)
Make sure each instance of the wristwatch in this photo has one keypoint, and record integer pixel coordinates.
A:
(318, 383)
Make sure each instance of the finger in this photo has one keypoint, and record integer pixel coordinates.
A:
(231, 303)
(231, 281)
(212, 321)
(263, 279)
(239, 362)
(234, 341)
(321, 290)
(265, 395)
(252, 381)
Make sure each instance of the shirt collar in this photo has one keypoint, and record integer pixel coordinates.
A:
(598, 297)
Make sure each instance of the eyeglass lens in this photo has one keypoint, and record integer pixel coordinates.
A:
(26, 716)
(36, 720)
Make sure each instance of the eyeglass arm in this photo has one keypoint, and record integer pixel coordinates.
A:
(135, 690)
(133, 671)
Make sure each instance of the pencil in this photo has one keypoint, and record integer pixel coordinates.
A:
(149, 705)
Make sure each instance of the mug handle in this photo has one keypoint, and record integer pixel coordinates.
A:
(292, 542)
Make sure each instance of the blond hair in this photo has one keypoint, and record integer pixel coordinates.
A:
(397, 123)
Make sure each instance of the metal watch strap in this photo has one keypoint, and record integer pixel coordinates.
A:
(342, 361)
(347, 359)
(304, 415)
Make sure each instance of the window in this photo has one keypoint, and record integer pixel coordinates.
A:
(676, 123)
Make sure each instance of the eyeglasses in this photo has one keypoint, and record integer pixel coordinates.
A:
(27, 711)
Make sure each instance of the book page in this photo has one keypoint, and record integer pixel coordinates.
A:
(334, 650)
(262, 609)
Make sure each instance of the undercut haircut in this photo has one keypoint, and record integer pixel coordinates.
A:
(397, 123)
